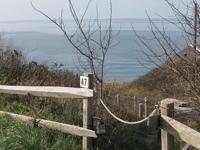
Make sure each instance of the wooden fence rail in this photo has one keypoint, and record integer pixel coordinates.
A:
(86, 93)
(64, 128)
(47, 91)
(172, 128)
(181, 131)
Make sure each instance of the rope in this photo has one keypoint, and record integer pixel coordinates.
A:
(154, 112)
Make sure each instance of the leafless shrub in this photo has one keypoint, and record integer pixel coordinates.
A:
(179, 67)
(92, 50)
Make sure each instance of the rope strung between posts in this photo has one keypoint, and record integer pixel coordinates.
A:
(154, 112)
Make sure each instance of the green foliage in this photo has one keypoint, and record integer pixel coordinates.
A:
(122, 137)
(17, 136)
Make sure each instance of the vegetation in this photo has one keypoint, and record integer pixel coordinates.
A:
(15, 135)
(159, 83)
(179, 75)
(91, 51)
(14, 70)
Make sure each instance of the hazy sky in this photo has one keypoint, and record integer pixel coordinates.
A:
(21, 9)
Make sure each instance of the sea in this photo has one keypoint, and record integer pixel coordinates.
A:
(127, 59)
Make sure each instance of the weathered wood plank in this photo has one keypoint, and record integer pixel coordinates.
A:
(64, 128)
(47, 91)
(186, 147)
(118, 101)
(167, 140)
(135, 105)
(140, 113)
(87, 115)
(178, 103)
(180, 130)
(145, 107)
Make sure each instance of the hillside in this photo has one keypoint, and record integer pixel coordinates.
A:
(178, 77)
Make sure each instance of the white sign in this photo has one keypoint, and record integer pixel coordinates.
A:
(84, 82)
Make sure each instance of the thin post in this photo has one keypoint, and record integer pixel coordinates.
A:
(118, 100)
(145, 107)
(195, 25)
(140, 111)
(135, 104)
(167, 140)
(87, 115)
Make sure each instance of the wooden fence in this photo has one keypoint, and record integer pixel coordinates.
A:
(171, 128)
(58, 92)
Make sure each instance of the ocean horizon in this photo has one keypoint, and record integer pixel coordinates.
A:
(43, 42)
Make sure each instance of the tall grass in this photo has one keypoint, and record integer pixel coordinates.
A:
(14, 70)
(17, 136)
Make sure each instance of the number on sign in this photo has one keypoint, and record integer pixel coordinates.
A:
(84, 82)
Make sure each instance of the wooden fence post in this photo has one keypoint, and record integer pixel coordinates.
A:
(135, 104)
(118, 101)
(87, 114)
(167, 140)
(145, 107)
(140, 111)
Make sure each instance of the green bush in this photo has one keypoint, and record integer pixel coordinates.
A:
(18, 136)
